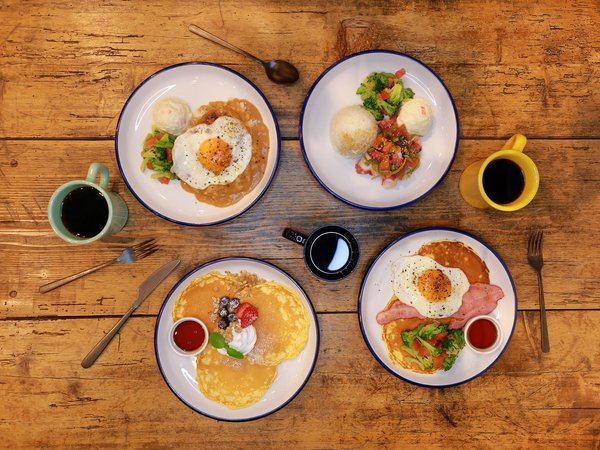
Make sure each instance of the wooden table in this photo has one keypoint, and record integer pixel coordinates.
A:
(66, 71)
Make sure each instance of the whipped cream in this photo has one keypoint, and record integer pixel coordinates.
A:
(243, 342)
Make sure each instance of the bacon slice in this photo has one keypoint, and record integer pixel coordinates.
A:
(479, 299)
(398, 310)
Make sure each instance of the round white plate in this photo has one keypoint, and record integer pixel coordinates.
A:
(376, 291)
(180, 371)
(197, 84)
(335, 89)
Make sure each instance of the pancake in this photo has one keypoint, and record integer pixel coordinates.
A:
(281, 329)
(391, 334)
(457, 254)
(282, 324)
(235, 383)
(196, 300)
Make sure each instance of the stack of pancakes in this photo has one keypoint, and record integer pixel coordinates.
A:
(281, 328)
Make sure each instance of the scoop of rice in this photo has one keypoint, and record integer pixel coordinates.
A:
(416, 115)
(353, 130)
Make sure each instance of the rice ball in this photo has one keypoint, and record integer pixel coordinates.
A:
(416, 115)
(353, 130)
(172, 115)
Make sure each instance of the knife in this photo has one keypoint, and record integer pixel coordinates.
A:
(144, 291)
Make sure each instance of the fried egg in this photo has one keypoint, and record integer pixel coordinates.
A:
(433, 290)
(212, 154)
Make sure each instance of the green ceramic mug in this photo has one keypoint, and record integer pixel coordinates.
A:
(84, 211)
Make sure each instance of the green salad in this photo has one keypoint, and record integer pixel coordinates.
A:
(382, 93)
(433, 346)
(157, 155)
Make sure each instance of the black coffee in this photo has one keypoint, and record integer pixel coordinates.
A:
(503, 181)
(84, 212)
(330, 252)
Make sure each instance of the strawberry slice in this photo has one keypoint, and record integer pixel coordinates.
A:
(246, 314)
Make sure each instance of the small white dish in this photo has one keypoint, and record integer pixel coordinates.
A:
(197, 84)
(179, 372)
(492, 348)
(335, 89)
(376, 291)
(181, 351)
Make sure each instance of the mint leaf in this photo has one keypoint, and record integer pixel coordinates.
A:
(217, 340)
(234, 353)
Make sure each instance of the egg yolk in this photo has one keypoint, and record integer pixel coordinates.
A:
(434, 285)
(215, 155)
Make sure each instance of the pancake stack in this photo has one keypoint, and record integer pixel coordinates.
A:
(281, 328)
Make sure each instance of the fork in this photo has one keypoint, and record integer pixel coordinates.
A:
(129, 255)
(536, 260)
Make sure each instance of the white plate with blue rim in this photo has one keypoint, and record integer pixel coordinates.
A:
(376, 291)
(336, 89)
(197, 84)
(179, 372)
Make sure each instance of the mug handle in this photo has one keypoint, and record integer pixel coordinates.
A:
(294, 236)
(517, 142)
(93, 173)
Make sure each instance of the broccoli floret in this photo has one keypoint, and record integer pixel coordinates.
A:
(387, 108)
(454, 342)
(371, 105)
(374, 82)
(449, 362)
(409, 336)
(433, 329)
(408, 94)
(435, 351)
(397, 93)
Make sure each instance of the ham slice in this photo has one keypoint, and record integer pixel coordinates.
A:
(479, 299)
(398, 310)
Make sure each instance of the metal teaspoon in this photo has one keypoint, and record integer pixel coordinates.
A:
(278, 71)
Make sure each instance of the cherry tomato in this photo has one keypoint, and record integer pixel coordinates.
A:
(384, 95)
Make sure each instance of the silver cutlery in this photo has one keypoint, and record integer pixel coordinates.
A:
(536, 260)
(277, 70)
(144, 291)
(129, 255)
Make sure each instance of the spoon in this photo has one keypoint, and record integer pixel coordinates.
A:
(278, 71)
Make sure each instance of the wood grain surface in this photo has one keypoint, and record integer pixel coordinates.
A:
(526, 399)
(66, 70)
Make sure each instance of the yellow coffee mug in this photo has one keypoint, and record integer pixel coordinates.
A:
(471, 180)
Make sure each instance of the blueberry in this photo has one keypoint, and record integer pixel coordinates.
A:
(234, 303)
(223, 312)
(232, 317)
(224, 301)
(223, 324)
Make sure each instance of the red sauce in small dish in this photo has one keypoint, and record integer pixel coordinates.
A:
(189, 335)
(482, 334)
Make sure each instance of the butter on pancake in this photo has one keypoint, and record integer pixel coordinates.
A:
(282, 326)
(235, 383)
(458, 255)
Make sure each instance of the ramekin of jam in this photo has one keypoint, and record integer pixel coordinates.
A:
(188, 336)
(483, 334)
